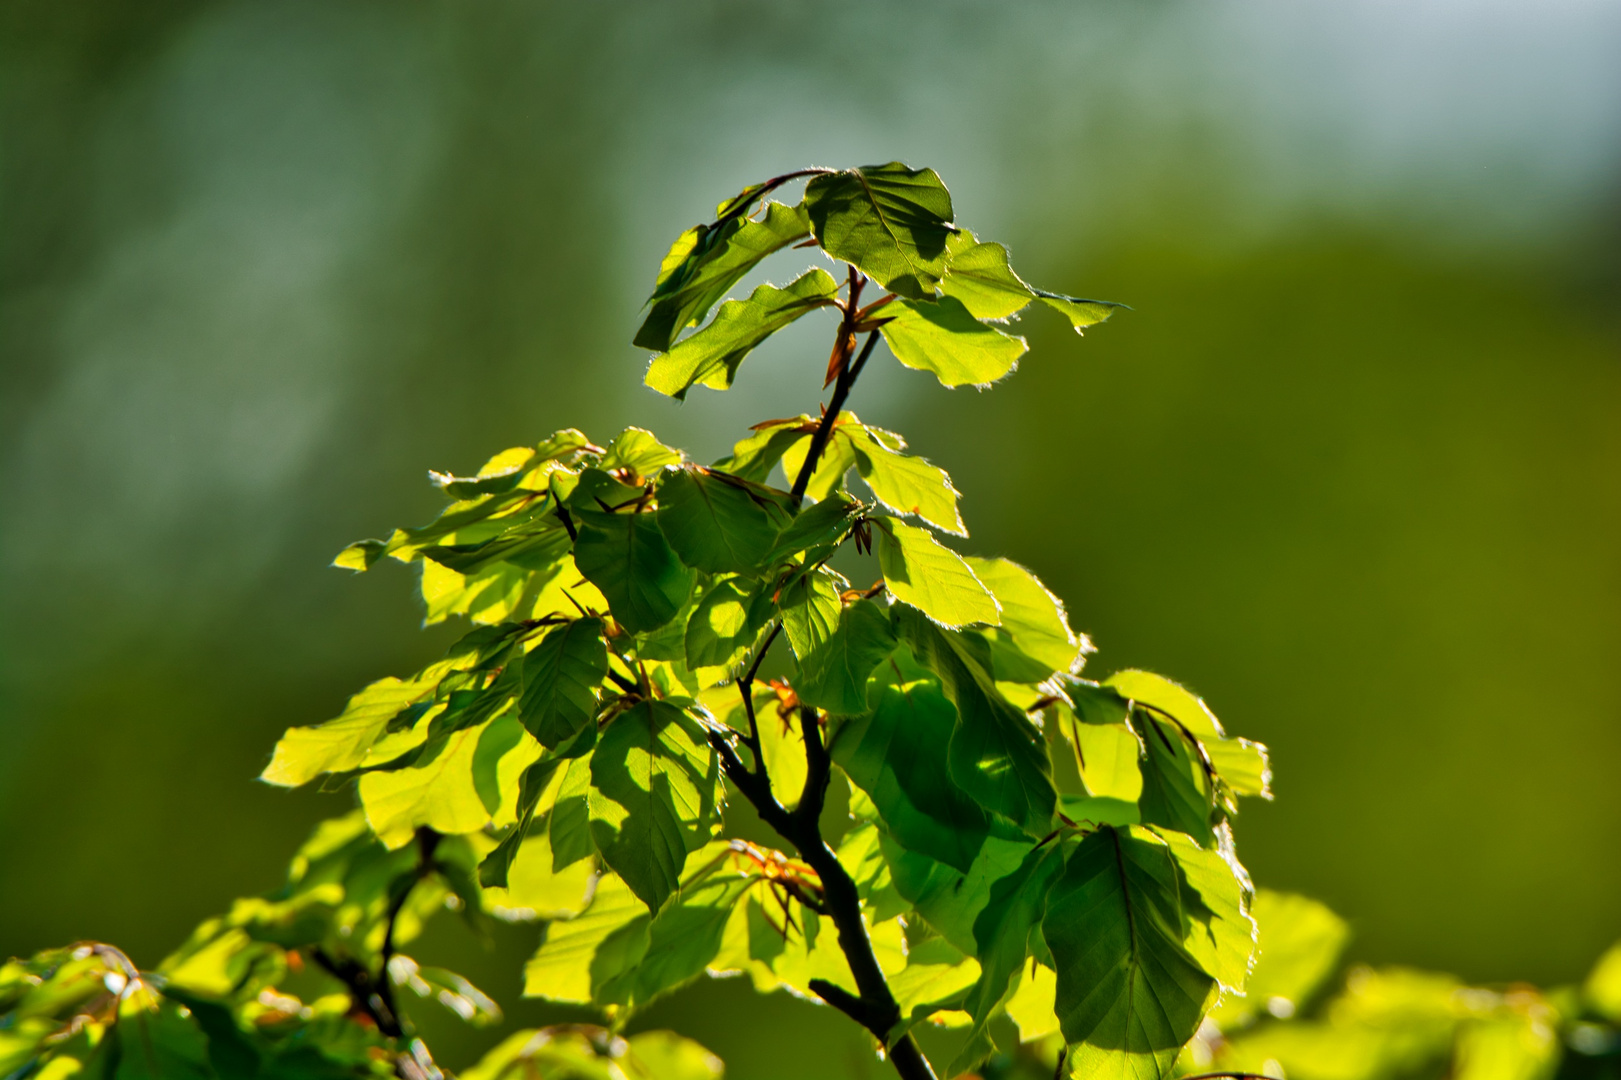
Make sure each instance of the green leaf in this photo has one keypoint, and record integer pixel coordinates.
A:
(683, 938)
(437, 792)
(753, 458)
(980, 278)
(712, 356)
(1030, 1007)
(1129, 995)
(898, 756)
(537, 778)
(1080, 313)
(1033, 625)
(903, 483)
(637, 450)
(562, 676)
(579, 1052)
(822, 525)
(578, 955)
(664, 1055)
(833, 673)
(1220, 930)
(890, 221)
(569, 828)
(157, 1040)
(1002, 931)
(996, 754)
(838, 458)
(810, 608)
(340, 745)
(725, 622)
(924, 573)
(708, 260)
(627, 557)
(533, 888)
(945, 339)
(653, 794)
(950, 900)
(1241, 764)
(1299, 944)
(1177, 792)
(719, 523)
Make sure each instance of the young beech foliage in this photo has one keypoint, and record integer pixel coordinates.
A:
(676, 734)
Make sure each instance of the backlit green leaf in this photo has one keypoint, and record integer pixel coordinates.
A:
(950, 900)
(1220, 930)
(996, 754)
(682, 940)
(903, 483)
(1002, 931)
(979, 276)
(924, 573)
(1177, 791)
(945, 339)
(821, 525)
(1033, 622)
(833, 673)
(711, 356)
(725, 621)
(890, 221)
(578, 955)
(706, 261)
(569, 828)
(1129, 995)
(898, 756)
(562, 676)
(719, 523)
(1603, 986)
(626, 556)
(341, 744)
(653, 794)
(437, 792)
(636, 449)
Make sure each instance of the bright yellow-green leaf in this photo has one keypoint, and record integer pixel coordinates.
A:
(638, 450)
(1033, 619)
(562, 968)
(1031, 1006)
(980, 277)
(921, 571)
(712, 356)
(341, 744)
(943, 338)
(903, 483)
(437, 792)
(708, 260)
(535, 890)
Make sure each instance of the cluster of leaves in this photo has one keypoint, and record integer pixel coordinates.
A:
(595, 722)
(301, 984)
(602, 751)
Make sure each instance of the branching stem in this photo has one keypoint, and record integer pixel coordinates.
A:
(873, 1006)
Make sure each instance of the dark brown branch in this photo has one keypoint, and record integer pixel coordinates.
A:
(841, 391)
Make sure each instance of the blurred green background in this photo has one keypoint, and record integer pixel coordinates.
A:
(1351, 467)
